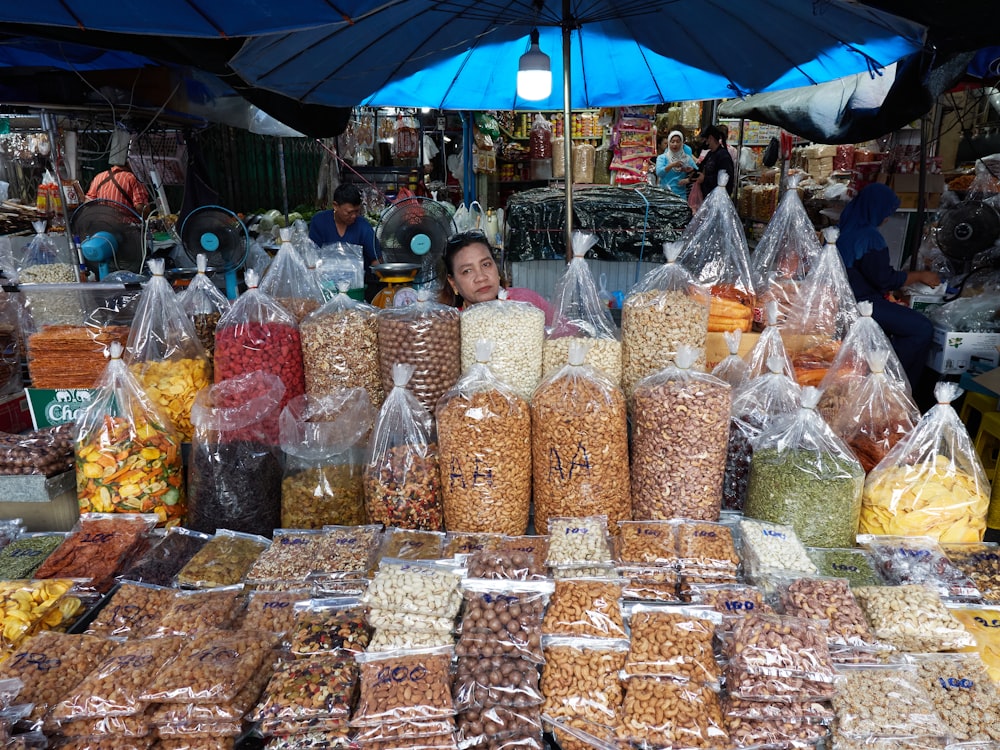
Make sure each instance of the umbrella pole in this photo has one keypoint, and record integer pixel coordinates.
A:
(282, 175)
(567, 128)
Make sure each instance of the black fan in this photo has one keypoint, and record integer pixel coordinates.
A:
(222, 236)
(967, 230)
(415, 231)
(111, 236)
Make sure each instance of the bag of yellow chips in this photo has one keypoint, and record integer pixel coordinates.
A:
(931, 483)
(983, 623)
(164, 354)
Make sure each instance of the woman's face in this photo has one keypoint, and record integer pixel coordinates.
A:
(475, 276)
(675, 143)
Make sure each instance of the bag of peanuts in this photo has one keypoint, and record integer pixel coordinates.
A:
(876, 414)
(128, 453)
(755, 408)
(165, 354)
(579, 444)
(717, 255)
(484, 440)
(580, 315)
(402, 483)
(324, 440)
(732, 368)
(205, 305)
(785, 252)
(851, 365)
(679, 441)
(770, 344)
(289, 281)
(931, 483)
(259, 334)
(663, 311)
(822, 316)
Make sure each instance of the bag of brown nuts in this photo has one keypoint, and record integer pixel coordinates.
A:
(204, 304)
(586, 607)
(673, 642)
(579, 444)
(581, 678)
(484, 449)
(406, 685)
(503, 617)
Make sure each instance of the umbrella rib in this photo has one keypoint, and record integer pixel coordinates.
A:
(205, 17)
(73, 15)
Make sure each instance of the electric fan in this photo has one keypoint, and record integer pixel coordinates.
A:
(413, 234)
(111, 236)
(222, 236)
(968, 229)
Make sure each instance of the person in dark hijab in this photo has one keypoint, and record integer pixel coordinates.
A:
(866, 257)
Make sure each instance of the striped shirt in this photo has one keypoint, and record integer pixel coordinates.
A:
(120, 185)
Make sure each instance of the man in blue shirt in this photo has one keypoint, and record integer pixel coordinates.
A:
(344, 223)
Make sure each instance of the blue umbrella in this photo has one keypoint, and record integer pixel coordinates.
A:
(25, 52)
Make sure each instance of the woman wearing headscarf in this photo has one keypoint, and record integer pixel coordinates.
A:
(674, 163)
(866, 257)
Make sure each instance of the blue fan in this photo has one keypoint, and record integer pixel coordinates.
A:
(222, 236)
(110, 236)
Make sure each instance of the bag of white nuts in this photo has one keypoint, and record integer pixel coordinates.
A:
(680, 434)
(580, 315)
(579, 444)
(484, 450)
(663, 311)
(517, 330)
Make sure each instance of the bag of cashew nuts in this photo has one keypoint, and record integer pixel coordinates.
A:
(820, 320)
(932, 482)
(579, 444)
(402, 485)
(717, 255)
(732, 368)
(288, 280)
(803, 475)
(877, 413)
(770, 344)
(204, 305)
(484, 443)
(680, 435)
(663, 311)
(755, 408)
(580, 315)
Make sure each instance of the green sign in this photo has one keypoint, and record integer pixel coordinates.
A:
(51, 406)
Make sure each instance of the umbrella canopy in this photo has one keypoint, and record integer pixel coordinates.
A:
(37, 54)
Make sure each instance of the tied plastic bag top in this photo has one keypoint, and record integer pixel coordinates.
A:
(666, 309)
(341, 262)
(289, 282)
(579, 444)
(580, 314)
(770, 344)
(823, 315)
(716, 254)
(803, 475)
(340, 348)
(732, 368)
(755, 408)
(850, 366)
(128, 457)
(204, 305)
(402, 484)
(931, 483)
(323, 440)
(876, 414)
(40, 261)
(165, 354)
(785, 253)
(259, 334)
(484, 447)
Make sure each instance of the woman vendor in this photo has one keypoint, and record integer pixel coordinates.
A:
(866, 257)
(674, 163)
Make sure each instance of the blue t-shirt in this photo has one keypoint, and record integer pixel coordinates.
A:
(323, 231)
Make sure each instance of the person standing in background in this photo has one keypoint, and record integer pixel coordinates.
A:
(118, 183)
(717, 159)
(344, 223)
(674, 163)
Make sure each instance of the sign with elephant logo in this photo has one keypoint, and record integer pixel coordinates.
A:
(53, 406)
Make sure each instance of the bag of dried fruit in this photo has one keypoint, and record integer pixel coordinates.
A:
(932, 482)
(802, 474)
(164, 354)
(234, 472)
(484, 443)
(784, 254)
(732, 368)
(579, 444)
(205, 305)
(769, 345)
(850, 367)
(324, 440)
(824, 313)
(716, 254)
(128, 454)
(755, 408)
(579, 315)
(402, 485)
(289, 282)
(665, 310)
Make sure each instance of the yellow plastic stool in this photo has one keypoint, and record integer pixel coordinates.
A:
(988, 442)
(978, 404)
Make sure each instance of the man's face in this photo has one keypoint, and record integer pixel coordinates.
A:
(346, 213)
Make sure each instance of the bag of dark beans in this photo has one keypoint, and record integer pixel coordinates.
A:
(205, 305)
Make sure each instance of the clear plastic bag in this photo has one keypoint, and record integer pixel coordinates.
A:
(579, 444)
(732, 368)
(289, 282)
(674, 642)
(770, 344)
(329, 626)
(578, 541)
(484, 443)
(803, 475)
(341, 263)
(314, 692)
(647, 543)
(980, 561)
(441, 597)
(580, 678)
(580, 314)
(402, 484)
(772, 548)
(517, 330)
(41, 261)
(670, 714)
(962, 693)
(164, 352)
(932, 482)
(717, 256)
(204, 305)
(128, 454)
(918, 560)
(422, 691)
(198, 611)
(223, 561)
(132, 611)
(585, 607)
(983, 624)
(827, 599)
(679, 442)
(885, 700)
(520, 604)
(912, 618)
(498, 680)
(323, 439)
(159, 566)
(856, 565)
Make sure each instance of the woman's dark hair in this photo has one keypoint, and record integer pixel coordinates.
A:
(460, 241)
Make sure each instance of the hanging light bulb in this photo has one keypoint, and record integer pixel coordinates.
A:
(534, 72)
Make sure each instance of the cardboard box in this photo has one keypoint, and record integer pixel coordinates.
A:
(955, 352)
(910, 183)
(909, 200)
(924, 302)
